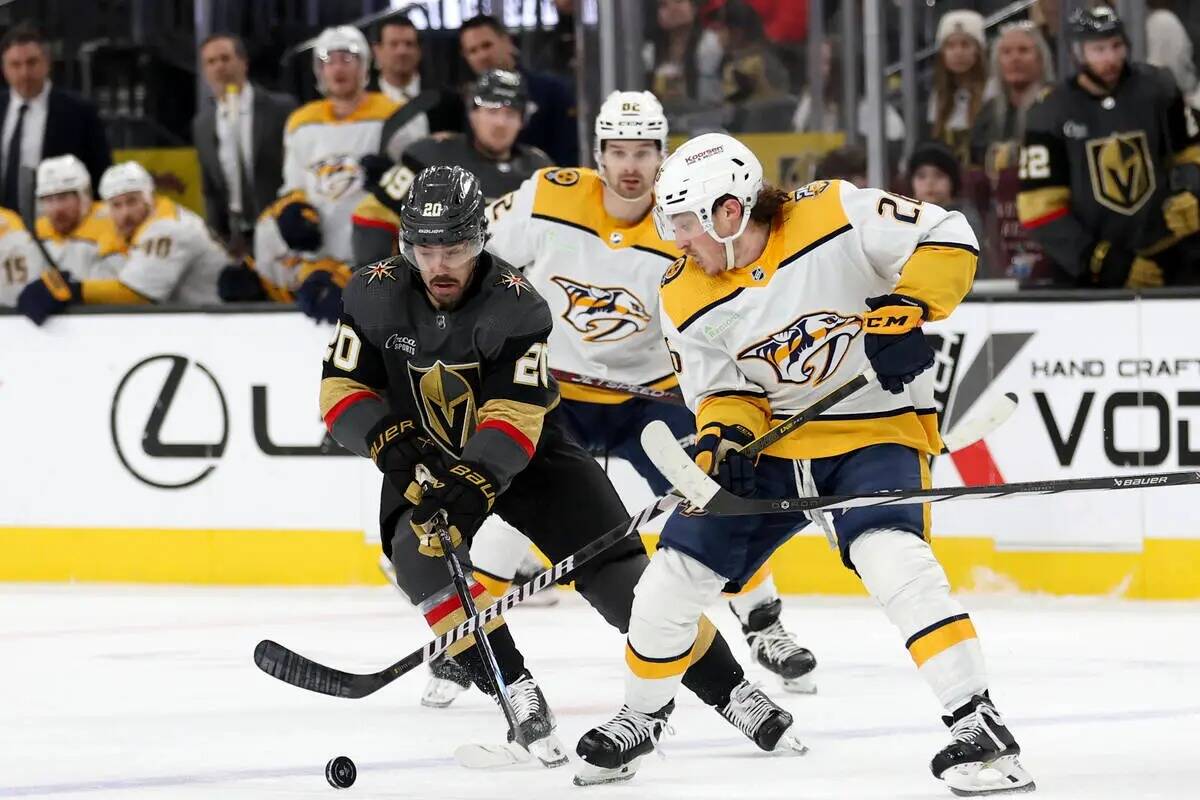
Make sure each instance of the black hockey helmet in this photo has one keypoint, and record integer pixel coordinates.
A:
(1100, 22)
(444, 206)
(498, 88)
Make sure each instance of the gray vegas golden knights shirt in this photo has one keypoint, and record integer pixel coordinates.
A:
(475, 378)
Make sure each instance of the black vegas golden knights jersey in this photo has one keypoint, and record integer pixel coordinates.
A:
(1097, 169)
(475, 378)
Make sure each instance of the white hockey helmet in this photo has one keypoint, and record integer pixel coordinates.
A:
(697, 175)
(631, 116)
(63, 174)
(126, 177)
(341, 39)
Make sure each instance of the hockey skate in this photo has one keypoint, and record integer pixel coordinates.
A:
(612, 752)
(775, 648)
(765, 723)
(983, 757)
(536, 723)
(447, 681)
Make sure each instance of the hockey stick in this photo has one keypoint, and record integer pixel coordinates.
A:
(469, 755)
(291, 667)
(703, 492)
(672, 397)
(56, 283)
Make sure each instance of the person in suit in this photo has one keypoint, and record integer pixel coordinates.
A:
(40, 120)
(238, 131)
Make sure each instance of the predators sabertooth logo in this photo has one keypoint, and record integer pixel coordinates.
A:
(603, 313)
(446, 401)
(1122, 171)
(808, 350)
(336, 176)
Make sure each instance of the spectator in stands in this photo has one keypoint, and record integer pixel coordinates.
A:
(847, 163)
(683, 58)
(237, 134)
(172, 256)
(398, 56)
(959, 80)
(557, 54)
(485, 44)
(78, 234)
(754, 80)
(1021, 67)
(831, 114)
(1168, 45)
(935, 176)
(39, 120)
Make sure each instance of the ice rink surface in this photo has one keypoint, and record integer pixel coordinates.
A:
(112, 692)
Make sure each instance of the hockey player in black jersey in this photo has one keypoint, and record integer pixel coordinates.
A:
(496, 111)
(1110, 168)
(439, 359)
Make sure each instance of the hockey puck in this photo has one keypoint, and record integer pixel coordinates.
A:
(341, 772)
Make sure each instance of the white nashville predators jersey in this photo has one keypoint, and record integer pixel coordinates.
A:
(599, 275)
(173, 257)
(20, 259)
(756, 344)
(93, 250)
(321, 161)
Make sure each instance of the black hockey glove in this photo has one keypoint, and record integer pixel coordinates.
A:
(459, 496)
(373, 167)
(1112, 267)
(397, 446)
(238, 283)
(895, 345)
(300, 226)
(48, 295)
(319, 297)
(718, 452)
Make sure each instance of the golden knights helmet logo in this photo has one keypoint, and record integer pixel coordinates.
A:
(603, 313)
(1122, 171)
(335, 176)
(446, 401)
(808, 350)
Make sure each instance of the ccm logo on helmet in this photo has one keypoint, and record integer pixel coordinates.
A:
(703, 154)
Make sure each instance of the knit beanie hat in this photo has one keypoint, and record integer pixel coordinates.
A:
(936, 154)
(961, 21)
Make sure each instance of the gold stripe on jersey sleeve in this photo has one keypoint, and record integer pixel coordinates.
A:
(11, 220)
(824, 437)
(1188, 155)
(528, 418)
(735, 408)
(334, 390)
(374, 106)
(339, 272)
(801, 227)
(1036, 204)
(607, 397)
(110, 292)
(370, 211)
(939, 274)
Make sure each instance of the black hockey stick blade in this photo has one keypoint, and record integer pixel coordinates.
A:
(291, 667)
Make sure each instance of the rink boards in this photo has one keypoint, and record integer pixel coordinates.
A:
(187, 447)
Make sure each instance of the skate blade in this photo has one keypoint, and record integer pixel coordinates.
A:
(440, 693)
(789, 746)
(589, 775)
(549, 751)
(1005, 775)
(491, 756)
(805, 684)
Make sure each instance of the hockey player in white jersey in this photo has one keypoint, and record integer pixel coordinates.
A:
(781, 298)
(586, 241)
(172, 255)
(302, 243)
(78, 234)
(20, 259)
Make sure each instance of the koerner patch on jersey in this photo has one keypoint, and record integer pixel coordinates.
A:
(673, 271)
(563, 177)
